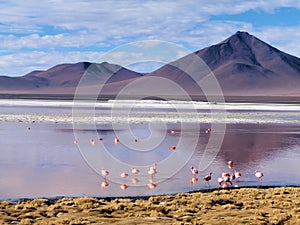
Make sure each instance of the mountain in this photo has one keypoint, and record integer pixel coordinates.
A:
(63, 78)
(242, 64)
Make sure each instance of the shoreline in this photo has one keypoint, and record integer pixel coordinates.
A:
(250, 205)
(283, 99)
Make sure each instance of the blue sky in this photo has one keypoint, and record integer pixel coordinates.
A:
(38, 35)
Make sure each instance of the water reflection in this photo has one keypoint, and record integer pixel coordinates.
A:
(45, 161)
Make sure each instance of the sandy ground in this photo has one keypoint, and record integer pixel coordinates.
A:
(235, 206)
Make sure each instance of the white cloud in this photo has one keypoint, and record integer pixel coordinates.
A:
(82, 23)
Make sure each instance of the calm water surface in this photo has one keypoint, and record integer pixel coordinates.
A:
(45, 162)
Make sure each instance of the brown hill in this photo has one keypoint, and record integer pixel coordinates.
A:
(243, 65)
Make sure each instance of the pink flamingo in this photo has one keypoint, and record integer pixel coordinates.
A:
(230, 164)
(224, 183)
(152, 170)
(237, 174)
(134, 180)
(93, 142)
(124, 175)
(123, 186)
(259, 176)
(207, 178)
(220, 181)
(104, 184)
(151, 185)
(172, 147)
(135, 171)
(117, 140)
(194, 171)
(104, 173)
(208, 130)
(225, 176)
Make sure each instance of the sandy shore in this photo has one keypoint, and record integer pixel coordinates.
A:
(236, 206)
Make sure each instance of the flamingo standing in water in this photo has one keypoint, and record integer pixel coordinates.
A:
(152, 170)
(117, 140)
(207, 178)
(124, 175)
(93, 142)
(224, 182)
(259, 176)
(134, 180)
(230, 164)
(225, 176)
(194, 171)
(135, 171)
(123, 186)
(104, 173)
(237, 175)
(172, 148)
(151, 185)
(104, 184)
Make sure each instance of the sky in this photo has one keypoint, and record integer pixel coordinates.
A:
(36, 35)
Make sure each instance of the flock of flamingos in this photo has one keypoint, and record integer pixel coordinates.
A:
(225, 181)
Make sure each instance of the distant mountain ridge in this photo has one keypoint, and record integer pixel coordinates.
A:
(243, 64)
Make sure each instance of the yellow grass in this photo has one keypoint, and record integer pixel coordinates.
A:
(236, 206)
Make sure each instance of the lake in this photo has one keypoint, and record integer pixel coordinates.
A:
(51, 148)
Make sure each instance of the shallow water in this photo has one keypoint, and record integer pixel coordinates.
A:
(43, 161)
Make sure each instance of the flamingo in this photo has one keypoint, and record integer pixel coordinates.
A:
(237, 174)
(151, 185)
(135, 171)
(124, 175)
(220, 181)
(172, 147)
(259, 176)
(207, 178)
(117, 140)
(104, 184)
(226, 177)
(93, 142)
(194, 171)
(208, 130)
(152, 170)
(134, 180)
(123, 186)
(224, 183)
(230, 164)
(104, 173)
